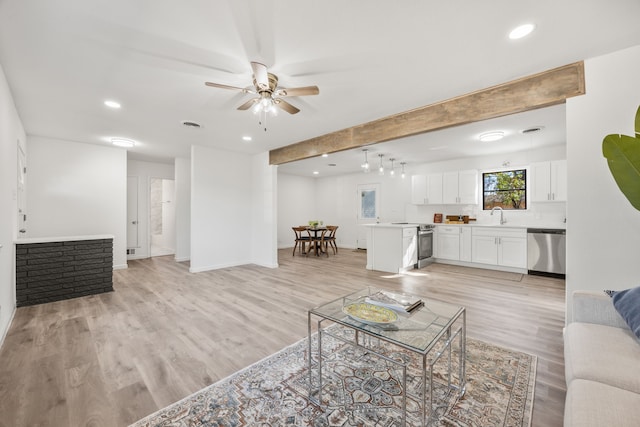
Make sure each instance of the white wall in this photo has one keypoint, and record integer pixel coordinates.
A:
(77, 189)
(296, 205)
(11, 131)
(264, 211)
(603, 232)
(221, 203)
(183, 209)
(145, 171)
(333, 199)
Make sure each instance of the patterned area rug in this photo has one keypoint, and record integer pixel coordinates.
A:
(359, 389)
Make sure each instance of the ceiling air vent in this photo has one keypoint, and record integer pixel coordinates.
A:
(191, 124)
(533, 129)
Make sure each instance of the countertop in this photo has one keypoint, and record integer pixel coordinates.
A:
(546, 225)
(393, 225)
(28, 240)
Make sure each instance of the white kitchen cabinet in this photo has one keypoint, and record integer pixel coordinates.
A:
(499, 246)
(465, 243)
(391, 248)
(448, 242)
(460, 187)
(426, 189)
(549, 181)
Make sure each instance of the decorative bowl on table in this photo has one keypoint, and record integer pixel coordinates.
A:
(370, 313)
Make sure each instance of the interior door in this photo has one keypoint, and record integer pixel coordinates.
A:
(132, 212)
(368, 205)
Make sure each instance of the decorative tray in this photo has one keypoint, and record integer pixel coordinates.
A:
(370, 313)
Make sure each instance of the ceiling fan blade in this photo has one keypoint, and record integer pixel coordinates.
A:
(298, 91)
(260, 74)
(245, 90)
(281, 103)
(248, 104)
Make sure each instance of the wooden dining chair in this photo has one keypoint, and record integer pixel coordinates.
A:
(330, 239)
(318, 243)
(302, 238)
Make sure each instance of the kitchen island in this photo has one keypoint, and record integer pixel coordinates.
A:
(392, 247)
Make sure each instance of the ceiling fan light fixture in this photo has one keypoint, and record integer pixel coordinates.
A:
(491, 136)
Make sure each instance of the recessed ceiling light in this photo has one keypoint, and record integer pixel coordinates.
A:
(325, 155)
(122, 142)
(521, 31)
(491, 136)
(316, 172)
(112, 104)
(246, 138)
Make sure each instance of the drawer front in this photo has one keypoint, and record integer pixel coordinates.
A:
(444, 229)
(500, 232)
(409, 232)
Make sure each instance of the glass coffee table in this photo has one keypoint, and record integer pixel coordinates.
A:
(427, 342)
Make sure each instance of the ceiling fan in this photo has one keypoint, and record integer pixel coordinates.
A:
(269, 94)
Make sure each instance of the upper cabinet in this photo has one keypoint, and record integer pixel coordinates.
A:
(460, 188)
(426, 189)
(549, 181)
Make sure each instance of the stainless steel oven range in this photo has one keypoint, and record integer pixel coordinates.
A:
(425, 244)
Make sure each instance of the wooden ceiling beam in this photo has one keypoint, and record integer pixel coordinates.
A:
(536, 91)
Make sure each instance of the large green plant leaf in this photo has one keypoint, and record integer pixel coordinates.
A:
(623, 156)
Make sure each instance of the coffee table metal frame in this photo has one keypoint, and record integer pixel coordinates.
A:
(434, 341)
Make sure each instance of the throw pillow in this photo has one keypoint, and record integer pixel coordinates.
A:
(627, 303)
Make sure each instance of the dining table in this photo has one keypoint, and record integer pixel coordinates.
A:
(315, 239)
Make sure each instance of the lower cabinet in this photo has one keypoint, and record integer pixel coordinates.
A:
(499, 246)
(453, 242)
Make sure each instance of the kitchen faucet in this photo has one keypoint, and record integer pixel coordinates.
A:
(502, 220)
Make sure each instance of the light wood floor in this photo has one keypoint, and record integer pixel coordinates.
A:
(165, 333)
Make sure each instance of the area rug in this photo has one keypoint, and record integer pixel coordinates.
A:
(360, 390)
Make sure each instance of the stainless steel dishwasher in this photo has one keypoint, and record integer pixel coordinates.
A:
(546, 251)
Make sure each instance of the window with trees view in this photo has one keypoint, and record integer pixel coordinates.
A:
(505, 189)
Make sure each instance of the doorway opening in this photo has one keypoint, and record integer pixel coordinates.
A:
(162, 217)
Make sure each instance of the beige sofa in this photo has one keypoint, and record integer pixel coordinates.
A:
(602, 365)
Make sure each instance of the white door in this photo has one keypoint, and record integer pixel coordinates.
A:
(132, 212)
(162, 217)
(368, 206)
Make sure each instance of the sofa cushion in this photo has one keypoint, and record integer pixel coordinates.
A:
(627, 303)
(602, 353)
(590, 403)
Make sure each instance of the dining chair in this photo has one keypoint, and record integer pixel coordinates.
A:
(319, 242)
(330, 239)
(302, 237)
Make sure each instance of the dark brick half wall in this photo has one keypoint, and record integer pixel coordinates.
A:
(54, 271)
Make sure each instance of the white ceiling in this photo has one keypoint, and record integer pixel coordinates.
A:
(370, 59)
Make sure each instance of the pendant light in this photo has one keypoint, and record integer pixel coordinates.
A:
(381, 168)
(402, 164)
(393, 171)
(365, 165)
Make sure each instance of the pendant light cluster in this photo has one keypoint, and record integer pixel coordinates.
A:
(366, 167)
